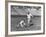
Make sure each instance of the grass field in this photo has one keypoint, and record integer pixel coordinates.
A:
(35, 20)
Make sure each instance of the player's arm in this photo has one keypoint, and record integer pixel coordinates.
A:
(31, 15)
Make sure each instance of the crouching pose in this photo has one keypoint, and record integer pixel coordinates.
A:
(22, 23)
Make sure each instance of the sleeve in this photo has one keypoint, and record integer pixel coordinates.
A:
(30, 14)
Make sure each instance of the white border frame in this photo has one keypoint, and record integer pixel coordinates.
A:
(23, 32)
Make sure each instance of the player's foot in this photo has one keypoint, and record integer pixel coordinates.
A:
(31, 24)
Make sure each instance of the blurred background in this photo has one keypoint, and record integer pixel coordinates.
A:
(23, 10)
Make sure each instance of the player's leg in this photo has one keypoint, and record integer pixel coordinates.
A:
(31, 23)
(28, 20)
(24, 24)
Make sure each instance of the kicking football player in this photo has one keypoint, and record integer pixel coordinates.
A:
(29, 16)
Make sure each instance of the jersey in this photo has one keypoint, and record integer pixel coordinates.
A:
(29, 15)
